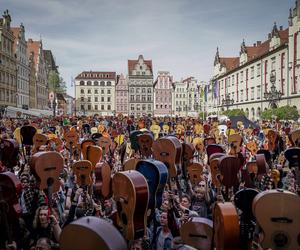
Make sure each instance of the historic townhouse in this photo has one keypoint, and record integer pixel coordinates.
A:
(95, 93)
(122, 95)
(41, 73)
(32, 81)
(20, 50)
(188, 97)
(241, 82)
(140, 83)
(8, 70)
(163, 94)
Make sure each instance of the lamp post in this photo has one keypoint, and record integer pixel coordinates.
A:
(227, 101)
(273, 96)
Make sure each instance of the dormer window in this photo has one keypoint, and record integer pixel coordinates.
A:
(81, 83)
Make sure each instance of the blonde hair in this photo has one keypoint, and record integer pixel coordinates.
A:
(36, 220)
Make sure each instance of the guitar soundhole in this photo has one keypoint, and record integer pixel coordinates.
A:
(50, 182)
(280, 240)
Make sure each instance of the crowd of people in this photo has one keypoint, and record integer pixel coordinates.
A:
(39, 217)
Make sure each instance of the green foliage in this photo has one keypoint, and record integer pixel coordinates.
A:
(282, 113)
(233, 112)
(202, 114)
(56, 83)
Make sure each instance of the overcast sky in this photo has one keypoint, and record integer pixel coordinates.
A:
(180, 36)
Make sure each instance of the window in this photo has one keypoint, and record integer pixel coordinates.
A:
(138, 107)
(252, 93)
(81, 83)
(137, 90)
(132, 107)
(108, 98)
(131, 97)
(96, 91)
(96, 107)
(108, 107)
(82, 107)
(82, 91)
(102, 99)
(96, 83)
(143, 98)
(258, 68)
(138, 97)
(108, 91)
(89, 91)
(242, 95)
(131, 90)
(89, 99)
(96, 99)
(102, 83)
(232, 80)
(242, 76)
(102, 107)
(273, 63)
(108, 83)
(149, 90)
(143, 90)
(102, 91)
(149, 106)
(89, 107)
(144, 107)
(252, 72)
(82, 99)
(149, 98)
(258, 92)
(88, 83)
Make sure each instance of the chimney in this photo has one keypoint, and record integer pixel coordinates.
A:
(269, 36)
(280, 27)
(254, 44)
(258, 43)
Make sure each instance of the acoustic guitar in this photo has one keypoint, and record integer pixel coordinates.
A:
(145, 142)
(94, 155)
(47, 166)
(195, 172)
(156, 174)
(97, 234)
(105, 144)
(276, 212)
(9, 153)
(226, 226)
(235, 141)
(83, 171)
(131, 194)
(198, 233)
(38, 141)
(188, 151)
(83, 147)
(103, 183)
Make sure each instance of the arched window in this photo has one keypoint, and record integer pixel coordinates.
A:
(108, 83)
(81, 82)
(102, 83)
(96, 83)
(88, 83)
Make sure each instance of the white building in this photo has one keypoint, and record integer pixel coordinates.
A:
(241, 82)
(95, 93)
(188, 99)
(140, 84)
(20, 50)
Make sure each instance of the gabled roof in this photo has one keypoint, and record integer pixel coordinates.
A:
(230, 62)
(33, 46)
(16, 31)
(132, 63)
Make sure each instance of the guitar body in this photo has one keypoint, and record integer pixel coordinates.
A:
(145, 142)
(105, 144)
(195, 172)
(198, 233)
(156, 174)
(199, 145)
(212, 149)
(9, 151)
(83, 170)
(130, 164)
(169, 150)
(131, 194)
(38, 141)
(97, 234)
(229, 167)
(235, 142)
(83, 147)
(226, 226)
(93, 154)
(48, 166)
(277, 213)
(103, 180)
(27, 133)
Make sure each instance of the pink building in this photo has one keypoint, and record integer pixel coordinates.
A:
(163, 94)
(122, 95)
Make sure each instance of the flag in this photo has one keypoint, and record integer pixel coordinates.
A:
(215, 89)
(205, 93)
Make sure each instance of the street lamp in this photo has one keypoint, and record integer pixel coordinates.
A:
(227, 101)
(273, 96)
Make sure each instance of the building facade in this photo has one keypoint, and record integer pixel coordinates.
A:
(32, 81)
(122, 95)
(95, 93)
(8, 70)
(20, 50)
(140, 84)
(163, 94)
(70, 104)
(188, 98)
(41, 73)
(241, 82)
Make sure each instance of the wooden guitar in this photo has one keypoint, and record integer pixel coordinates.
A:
(235, 142)
(195, 172)
(93, 154)
(188, 151)
(83, 171)
(295, 137)
(252, 147)
(9, 153)
(226, 226)
(169, 150)
(83, 147)
(103, 183)
(47, 166)
(198, 233)
(97, 234)
(213, 148)
(214, 169)
(38, 141)
(105, 144)
(131, 194)
(276, 212)
(145, 142)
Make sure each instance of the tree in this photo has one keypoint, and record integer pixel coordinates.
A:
(56, 83)
(233, 112)
(282, 113)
